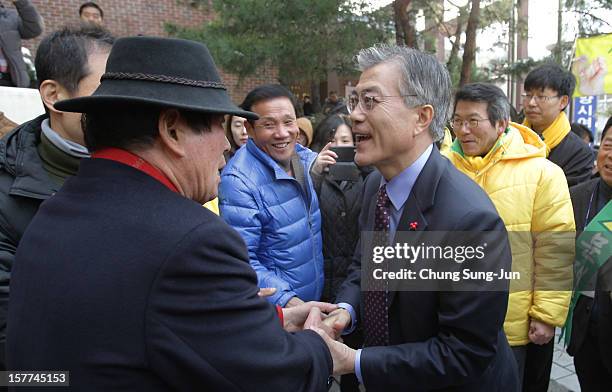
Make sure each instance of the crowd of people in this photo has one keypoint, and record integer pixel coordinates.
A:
(112, 269)
(22, 23)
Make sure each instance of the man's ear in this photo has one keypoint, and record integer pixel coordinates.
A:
(250, 129)
(563, 102)
(52, 92)
(500, 126)
(425, 116)
(171, 129)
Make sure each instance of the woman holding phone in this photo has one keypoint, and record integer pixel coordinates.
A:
(340, 197)
(340, 203)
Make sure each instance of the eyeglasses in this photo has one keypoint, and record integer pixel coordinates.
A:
(367, 102)
(472, 123)
(272, 126)
(538, 98)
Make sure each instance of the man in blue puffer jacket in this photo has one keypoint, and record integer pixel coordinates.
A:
(267, 195)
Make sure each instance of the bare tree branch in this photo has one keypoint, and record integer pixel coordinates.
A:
(439, 21)
(453, 4)
(586, 13)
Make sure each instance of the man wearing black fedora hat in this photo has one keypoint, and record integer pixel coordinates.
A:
(122, 278)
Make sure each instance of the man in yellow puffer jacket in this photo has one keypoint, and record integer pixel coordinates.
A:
(509, 162)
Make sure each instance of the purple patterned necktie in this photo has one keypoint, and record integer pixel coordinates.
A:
(376, 315)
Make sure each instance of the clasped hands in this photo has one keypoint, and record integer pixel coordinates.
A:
(328, 320)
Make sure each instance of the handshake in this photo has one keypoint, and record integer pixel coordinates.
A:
(329, 321)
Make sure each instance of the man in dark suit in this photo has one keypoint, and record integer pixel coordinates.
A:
(591, 322)
(419, 340)
(123, 278)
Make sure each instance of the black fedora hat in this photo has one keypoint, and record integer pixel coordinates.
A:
(164, 72)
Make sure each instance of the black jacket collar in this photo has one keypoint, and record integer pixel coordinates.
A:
(19, 157)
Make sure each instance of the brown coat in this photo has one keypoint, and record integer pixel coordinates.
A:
(6, 125)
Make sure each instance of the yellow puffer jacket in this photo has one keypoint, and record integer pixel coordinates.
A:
(447, 142)
(532, 197)
(213, 205)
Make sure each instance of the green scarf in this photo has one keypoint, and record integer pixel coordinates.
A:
(593, 248)
(477, 163)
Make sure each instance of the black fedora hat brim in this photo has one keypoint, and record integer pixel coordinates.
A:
(162, 94)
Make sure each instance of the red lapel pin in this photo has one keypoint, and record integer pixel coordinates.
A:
(413, 225)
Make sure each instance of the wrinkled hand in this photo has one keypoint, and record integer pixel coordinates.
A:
(315, 320)
(338, 321)
(325, 158)
(295, 317)
(294, 301)
(540, 332)
(342, 355)
(266, 291)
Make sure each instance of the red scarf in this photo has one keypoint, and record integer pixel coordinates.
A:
(127, 158)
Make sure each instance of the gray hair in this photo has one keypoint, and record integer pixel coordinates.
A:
(421, 74)
(498, 107)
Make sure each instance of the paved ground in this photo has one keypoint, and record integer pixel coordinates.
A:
(562, 376)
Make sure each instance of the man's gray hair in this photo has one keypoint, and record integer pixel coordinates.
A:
(498, 107)
(421, 74)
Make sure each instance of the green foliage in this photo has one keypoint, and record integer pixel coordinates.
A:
(478, 74)
(455, 72)
(304, 39)
(498, 71)
(497, 12)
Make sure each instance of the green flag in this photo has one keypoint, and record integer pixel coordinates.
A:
(593, 248)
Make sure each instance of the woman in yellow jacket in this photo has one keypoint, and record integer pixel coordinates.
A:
(531, 195)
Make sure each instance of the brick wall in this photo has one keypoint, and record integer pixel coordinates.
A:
(147, 17)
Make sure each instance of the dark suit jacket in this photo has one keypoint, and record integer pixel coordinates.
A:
(587, 199)
(574, 157)
(130, 286)
(452, 341)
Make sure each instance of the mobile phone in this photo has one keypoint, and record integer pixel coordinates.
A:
(345, 168)
(345, 153)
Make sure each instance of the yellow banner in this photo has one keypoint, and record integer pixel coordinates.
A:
(592, 65)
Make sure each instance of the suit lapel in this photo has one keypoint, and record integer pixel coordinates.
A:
(421, 199)
(417, 205)
(422, 196)
(412, 214)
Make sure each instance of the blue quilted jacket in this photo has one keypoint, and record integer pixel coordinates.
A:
(279, 223)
